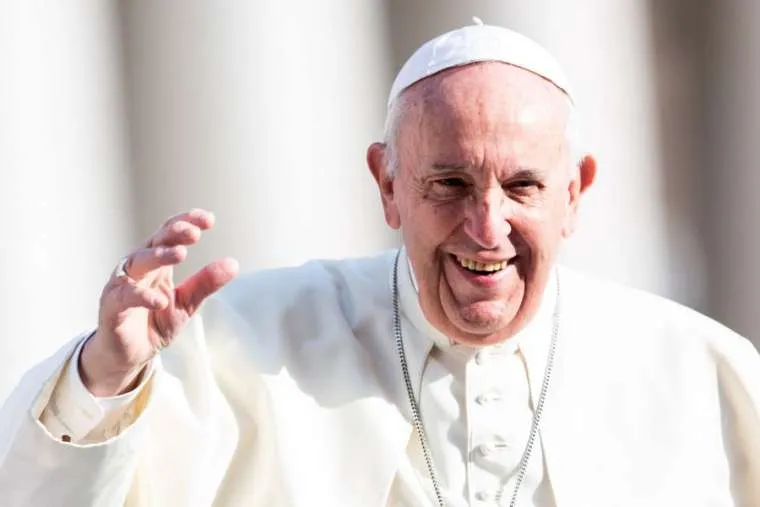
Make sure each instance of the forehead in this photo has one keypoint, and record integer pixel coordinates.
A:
(494, 109)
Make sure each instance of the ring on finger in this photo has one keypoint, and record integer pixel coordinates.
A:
(121, 270)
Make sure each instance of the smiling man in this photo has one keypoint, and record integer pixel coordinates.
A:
(466, 368)
(482, 179)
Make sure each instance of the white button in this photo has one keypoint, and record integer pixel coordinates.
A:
(489, 397)
(485, 449)
(481, 357)
(483, 496)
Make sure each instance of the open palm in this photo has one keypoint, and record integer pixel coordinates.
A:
(141, 308)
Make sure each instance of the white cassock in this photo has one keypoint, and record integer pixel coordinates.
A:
(287, 391)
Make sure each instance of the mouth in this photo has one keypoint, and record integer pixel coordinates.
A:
(483, 268)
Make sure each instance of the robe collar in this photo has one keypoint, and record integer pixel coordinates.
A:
(420, 336)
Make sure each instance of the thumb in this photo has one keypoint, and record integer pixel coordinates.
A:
(212, 277)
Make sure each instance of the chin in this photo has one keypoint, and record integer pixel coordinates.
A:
(482, 317)
(477, 340)
(484, 323)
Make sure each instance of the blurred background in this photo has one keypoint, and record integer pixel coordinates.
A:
(115, 115)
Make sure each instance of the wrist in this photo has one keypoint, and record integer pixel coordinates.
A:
(100, 377)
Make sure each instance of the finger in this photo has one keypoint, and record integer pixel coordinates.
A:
(201, 218)
(193, 291)
(176, 233)
(132, 296)
(146, 260)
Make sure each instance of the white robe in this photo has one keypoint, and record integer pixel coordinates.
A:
(287, 392)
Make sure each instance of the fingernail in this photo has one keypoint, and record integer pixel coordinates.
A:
(231, 264)
(179, 251)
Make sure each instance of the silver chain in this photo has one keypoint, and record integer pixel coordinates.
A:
(417, 416)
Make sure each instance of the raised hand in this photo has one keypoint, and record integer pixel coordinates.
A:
(142, 311)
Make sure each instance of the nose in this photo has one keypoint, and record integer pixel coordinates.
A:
(487, 219)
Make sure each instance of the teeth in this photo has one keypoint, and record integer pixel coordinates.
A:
(479, 266)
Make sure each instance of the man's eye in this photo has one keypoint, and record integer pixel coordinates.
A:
(451, 182)
(523, 185)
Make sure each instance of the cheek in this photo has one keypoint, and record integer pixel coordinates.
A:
(538, 229)
(431, 224)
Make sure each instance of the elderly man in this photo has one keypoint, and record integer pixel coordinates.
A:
(464, 369)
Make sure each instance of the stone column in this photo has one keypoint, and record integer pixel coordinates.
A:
(261, 112)
(605, 49)
(731, 203)
(64, 192)
(681, 77)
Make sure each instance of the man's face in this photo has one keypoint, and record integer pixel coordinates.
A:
(483, 194)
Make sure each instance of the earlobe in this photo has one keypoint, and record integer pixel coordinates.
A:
(376, 161)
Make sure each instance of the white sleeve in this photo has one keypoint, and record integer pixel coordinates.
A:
(39, 470)
(73, 412)
(180, 429)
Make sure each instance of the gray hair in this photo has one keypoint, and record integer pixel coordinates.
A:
(399, 105)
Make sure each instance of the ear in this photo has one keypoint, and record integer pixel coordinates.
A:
(378, 166)
(581, 181)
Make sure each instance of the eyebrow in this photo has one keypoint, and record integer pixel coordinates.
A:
(527, 173)
(450, 167)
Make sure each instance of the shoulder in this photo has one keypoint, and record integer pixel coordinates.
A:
(320, 301)
(640, 317)
(281, 288)
(626, 335)
(300, 322)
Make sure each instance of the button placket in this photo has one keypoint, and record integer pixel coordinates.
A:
(502, 413)
(480, 383)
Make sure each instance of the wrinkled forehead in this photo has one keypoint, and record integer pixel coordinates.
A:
(490, 84)
(486, 99)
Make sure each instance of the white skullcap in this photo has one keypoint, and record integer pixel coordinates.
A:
(478, 43)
